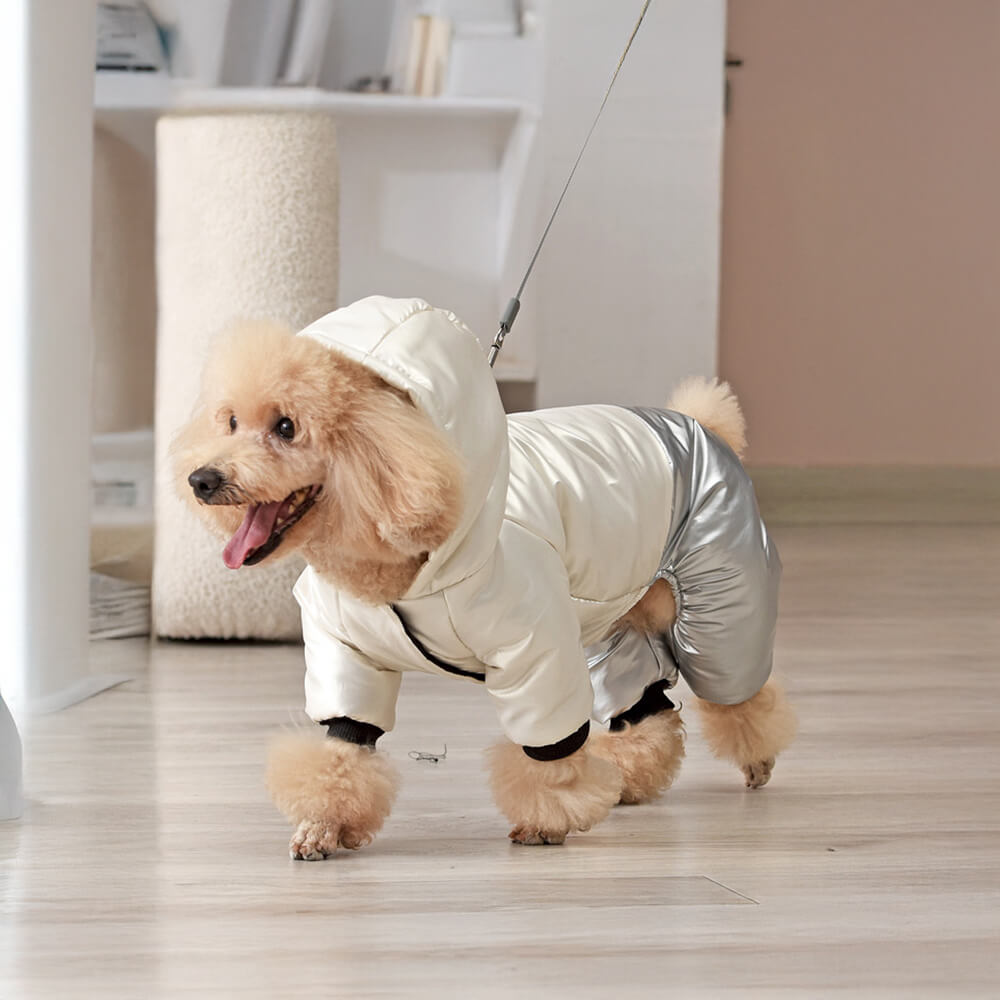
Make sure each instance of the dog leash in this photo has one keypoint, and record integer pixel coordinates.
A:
(514, 305)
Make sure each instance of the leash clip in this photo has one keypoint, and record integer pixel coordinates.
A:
(506, 322)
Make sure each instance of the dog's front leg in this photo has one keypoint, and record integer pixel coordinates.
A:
(336, 793)
(547, 799)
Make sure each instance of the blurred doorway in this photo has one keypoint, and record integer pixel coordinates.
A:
(860, 291)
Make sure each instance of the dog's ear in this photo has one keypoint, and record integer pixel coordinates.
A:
(398, 476)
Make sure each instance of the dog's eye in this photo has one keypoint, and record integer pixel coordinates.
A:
(285, 428)
(232, 422)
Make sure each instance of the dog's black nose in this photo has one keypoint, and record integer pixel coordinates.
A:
(205, 482)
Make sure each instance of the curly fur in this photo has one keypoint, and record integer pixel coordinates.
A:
(339, 794)
(750, 734)
(391, 482)
(391, 493)
(654, 613)
(714, 405)
(648, 755)
(546, 800)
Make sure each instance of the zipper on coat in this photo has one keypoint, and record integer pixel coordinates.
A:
(436, 660)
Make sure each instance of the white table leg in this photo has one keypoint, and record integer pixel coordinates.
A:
(11, 798)
(46, 118)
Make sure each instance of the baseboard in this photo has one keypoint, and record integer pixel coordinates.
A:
(878, 495)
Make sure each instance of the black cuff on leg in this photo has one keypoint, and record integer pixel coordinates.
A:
(654, 699)
(565, 747)
(362, 733)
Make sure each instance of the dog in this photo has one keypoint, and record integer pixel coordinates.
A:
(573, 561)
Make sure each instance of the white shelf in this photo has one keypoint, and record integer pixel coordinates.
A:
(157, 93)
(456, 170)
(122, 91)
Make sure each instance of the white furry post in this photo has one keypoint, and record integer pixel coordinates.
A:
(247, 227)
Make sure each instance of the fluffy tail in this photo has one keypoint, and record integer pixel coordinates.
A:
(714, 405)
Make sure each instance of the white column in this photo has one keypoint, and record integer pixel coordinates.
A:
(46, 119)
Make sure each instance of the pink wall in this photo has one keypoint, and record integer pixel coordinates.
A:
(860, 313)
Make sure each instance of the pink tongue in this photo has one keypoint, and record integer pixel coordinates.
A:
(252, 533)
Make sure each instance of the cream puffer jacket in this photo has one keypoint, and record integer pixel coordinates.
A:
(569, 516)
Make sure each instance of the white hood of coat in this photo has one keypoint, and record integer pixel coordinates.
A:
(431, 355)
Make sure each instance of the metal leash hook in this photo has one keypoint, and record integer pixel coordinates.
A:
(506, 322)
(510, 313)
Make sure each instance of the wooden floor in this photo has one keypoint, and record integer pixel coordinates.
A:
(150, 863)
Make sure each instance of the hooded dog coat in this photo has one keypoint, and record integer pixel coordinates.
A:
(569, 516)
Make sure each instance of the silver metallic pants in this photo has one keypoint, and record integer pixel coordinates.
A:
(724, 570)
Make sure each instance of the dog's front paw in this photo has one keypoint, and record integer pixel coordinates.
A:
(758, 774)
(530, 836)
(337, 794)
(315, 840)
(546, 800)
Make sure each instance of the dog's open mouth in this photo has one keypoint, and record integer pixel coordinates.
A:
(264, 525)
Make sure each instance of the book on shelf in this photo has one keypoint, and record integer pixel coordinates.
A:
(127, 39)
(419, 52)
(412, 69)
(434, 64)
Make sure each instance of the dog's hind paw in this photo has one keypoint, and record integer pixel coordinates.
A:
(758, 774)
(529, 836)
(648, 754)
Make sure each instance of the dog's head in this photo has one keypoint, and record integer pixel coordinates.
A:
(295, 447)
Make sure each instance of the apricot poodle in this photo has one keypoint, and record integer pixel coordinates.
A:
(572, 561)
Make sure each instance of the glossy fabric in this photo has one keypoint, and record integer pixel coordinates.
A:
(724, 570)
(569, 516)
(493, 599)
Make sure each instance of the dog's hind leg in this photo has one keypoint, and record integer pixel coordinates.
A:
(752, 733)
(654, 613)
(646, 744)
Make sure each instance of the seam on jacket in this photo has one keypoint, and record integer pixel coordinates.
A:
(534, 534)
(437, 661)
(427, 307)
(329, 340)
(454, 627)
(367, 357)
(455, 583)
(576, 597)
(600, 602)
(339, 634)
(343, 636)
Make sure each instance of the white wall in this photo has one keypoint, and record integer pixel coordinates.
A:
(627, 285)
(877, 283)
(624, 299)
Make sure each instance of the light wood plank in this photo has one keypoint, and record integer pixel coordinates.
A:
(150, 863)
